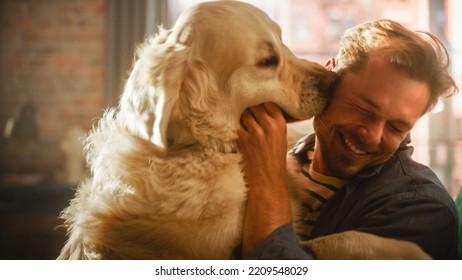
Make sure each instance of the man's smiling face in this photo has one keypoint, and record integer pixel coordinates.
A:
(371, 112)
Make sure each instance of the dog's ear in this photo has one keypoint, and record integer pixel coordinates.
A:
(148, 98)
(198, 91)
(169, 81)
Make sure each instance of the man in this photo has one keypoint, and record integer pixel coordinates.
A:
(358, 169)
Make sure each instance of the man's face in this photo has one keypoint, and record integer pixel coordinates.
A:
(369, 116)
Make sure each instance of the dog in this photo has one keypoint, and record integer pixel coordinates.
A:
(166, 176)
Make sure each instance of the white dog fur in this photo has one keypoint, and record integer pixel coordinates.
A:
(166, 179)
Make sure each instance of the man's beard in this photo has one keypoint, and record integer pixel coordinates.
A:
(339, 167)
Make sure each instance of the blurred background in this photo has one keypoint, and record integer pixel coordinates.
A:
(62, 62)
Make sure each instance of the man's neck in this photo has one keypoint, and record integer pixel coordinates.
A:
(317, 161)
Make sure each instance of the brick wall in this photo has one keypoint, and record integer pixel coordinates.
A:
(52, 54)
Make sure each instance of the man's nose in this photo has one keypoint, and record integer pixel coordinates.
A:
(371, 133)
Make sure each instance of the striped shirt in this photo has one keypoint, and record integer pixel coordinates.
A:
(315, 190)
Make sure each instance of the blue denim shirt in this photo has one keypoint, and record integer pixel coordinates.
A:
(282, 244)
(400, 199)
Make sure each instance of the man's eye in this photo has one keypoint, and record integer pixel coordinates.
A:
(395, 129)
(364, 111)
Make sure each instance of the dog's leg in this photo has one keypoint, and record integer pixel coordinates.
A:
(359, 245)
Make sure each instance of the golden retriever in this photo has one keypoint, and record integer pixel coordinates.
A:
(166, 179)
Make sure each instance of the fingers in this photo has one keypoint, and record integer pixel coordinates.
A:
(261, 116)
(248, 120)
(273, 110)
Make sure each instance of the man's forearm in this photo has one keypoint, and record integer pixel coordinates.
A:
(265, 213)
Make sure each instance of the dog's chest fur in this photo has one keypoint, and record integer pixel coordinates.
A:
(188, 205)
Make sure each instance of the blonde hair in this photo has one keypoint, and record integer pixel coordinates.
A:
(420, 54)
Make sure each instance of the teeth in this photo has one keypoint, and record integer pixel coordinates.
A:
(353, 148)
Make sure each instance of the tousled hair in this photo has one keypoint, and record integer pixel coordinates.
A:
(419, 53)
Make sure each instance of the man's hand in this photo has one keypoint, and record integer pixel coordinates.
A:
(263, 144)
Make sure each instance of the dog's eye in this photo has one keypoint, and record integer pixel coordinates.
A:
(270, 61)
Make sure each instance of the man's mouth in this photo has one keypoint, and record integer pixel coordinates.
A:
(353, 148)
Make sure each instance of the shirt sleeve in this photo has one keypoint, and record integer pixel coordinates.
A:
(281, 244)
(428, 223)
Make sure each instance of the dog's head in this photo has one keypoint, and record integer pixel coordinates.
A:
(191, 84)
